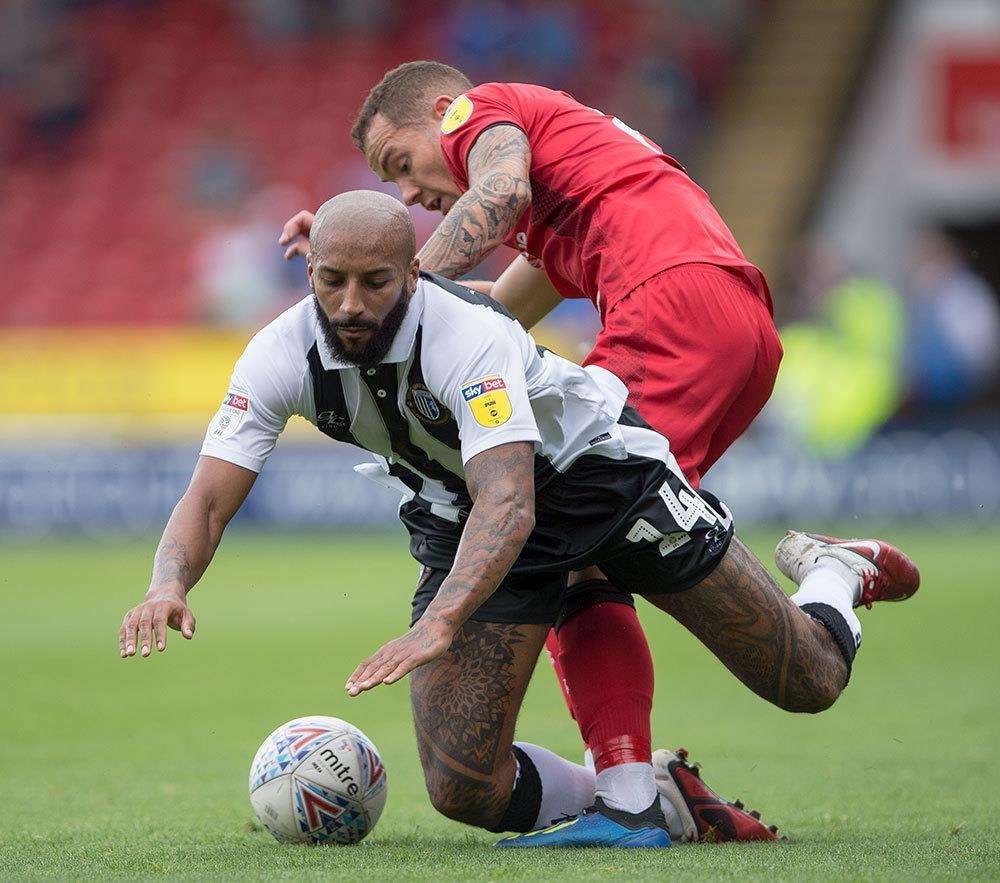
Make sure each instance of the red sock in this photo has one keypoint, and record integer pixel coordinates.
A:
(607, 669)
(552, 646)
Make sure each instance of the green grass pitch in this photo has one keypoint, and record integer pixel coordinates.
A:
(138, 769)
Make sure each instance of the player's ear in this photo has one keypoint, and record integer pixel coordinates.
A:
(414, 274)
(441, 104)
(309, 271)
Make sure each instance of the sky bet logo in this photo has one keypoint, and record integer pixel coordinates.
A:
(482, 387)
(235, 401)
(488, 400)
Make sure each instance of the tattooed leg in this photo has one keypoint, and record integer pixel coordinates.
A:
(777, 650)
(465, 705)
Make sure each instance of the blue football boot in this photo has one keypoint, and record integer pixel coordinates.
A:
(600, 825)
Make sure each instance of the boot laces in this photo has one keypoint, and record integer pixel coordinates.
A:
(872, 584)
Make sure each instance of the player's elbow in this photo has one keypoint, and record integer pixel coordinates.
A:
(522, 197)
(506, 198)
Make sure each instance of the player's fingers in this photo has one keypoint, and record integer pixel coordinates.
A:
(160, 626)
(388, 664)
(145, 622)
(402, 669)
(130, 627)
(298, 225)
(187, 624)
(357, 675)
(372, 679)
(122, 641)
(295, 248)
(368, 674)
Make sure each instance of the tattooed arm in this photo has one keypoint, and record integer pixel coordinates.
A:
(501, 482)
(189, 541)
(502, 485)
(499, 192)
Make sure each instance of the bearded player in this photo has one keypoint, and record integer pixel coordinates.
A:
(596, 210)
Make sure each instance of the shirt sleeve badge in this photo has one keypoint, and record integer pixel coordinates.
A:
(229, 416)
(457, 114)
(488, 400)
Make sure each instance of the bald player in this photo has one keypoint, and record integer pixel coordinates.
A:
(515, 465)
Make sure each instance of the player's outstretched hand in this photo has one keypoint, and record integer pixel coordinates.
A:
(295, 234)
(149, 621)
(426, 640)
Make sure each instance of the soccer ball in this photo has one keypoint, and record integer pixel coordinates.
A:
(318, 780)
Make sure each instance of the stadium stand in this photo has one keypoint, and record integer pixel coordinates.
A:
(182, 109)
(796, 82)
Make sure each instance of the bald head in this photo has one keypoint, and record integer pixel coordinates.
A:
(371, 223)
(362, 271)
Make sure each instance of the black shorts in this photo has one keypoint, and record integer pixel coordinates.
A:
(530, 599)
(638, 519)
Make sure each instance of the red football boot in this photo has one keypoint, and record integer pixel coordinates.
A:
(885, 573)
(706, 816)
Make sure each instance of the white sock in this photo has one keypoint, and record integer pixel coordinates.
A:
(833, 583)
(673, 817)
(567, 787)
(628, 786)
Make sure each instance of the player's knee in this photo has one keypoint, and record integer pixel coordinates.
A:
(479, 805)
(811, 695)
(824, 695)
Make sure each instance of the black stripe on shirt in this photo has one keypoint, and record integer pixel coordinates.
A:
(332, 414)
(385, 381)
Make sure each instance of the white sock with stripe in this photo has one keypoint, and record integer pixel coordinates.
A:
(833, 583)
(567, 787)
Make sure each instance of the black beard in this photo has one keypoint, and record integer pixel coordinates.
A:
(378, 344)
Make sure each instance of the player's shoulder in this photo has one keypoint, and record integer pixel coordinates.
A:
(487, 100)
(460, 325)
(453, 304)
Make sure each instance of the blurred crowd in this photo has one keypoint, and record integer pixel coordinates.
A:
(196, 126)
(861, 351)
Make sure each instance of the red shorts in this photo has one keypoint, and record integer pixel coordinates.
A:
(697, 348)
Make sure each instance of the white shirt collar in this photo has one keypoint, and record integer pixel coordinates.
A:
(402, 343)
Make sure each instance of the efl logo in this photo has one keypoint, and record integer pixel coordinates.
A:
(482, 387)
(235, 401)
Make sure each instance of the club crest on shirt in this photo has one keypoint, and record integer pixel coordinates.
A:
(457, 114)
(427, 409)
(488, 400)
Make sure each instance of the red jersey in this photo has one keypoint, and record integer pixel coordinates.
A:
(609, 209)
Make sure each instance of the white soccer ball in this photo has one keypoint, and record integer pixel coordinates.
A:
(318, 780)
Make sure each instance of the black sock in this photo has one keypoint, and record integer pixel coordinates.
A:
(525, 799)
(834, 622)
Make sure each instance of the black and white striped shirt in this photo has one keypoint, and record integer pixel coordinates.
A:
(461, 377)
